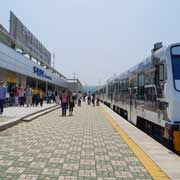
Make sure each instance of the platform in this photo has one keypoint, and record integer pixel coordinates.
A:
(92, 144)
(15, 114)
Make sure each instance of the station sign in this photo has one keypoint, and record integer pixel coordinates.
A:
(22, 34)
(39, 72)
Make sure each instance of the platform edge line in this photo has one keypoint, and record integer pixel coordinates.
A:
(154, 170)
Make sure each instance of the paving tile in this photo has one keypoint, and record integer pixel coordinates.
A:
(71, 166)
(28, 177)
(26, 158)
(6, 162)
(51, 171)
(87, 173)
(38, 165)
(15, 170)
(81, 147)
(68, 178)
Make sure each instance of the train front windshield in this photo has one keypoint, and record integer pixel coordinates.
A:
(175, 53)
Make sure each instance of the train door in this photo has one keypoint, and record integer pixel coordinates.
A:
(130, 104)
(132, 98)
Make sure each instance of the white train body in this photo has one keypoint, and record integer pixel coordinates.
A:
(148, 95)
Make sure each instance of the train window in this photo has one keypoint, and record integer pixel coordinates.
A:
(127, 85)
(112, 88)
(141, 93)
(119, 86)
(176, 70)
(165, 71)
(130, 83)
(150, 77)
(115, 87)
(141, 79)
(161, 72)
(124, 85)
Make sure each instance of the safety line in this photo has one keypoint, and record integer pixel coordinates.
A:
(153, 169)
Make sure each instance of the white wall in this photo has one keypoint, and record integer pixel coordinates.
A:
(14, 61)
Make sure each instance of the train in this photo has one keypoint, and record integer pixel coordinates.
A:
(148, 95)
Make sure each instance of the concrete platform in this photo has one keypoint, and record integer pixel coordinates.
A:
(164, 158)
(14, 115)
(84, 146)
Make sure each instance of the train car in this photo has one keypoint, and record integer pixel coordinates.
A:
(148, 95)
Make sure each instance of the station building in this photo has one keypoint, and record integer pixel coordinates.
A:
(18, 70)
(19, 66)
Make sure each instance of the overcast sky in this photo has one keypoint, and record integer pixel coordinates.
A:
(97, 39)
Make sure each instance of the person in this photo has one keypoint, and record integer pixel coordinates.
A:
(56, 97)
(84, 97)
(79, 96)
(71, 103)
(49, 96)
(93, 99)
(89, 98)
(41, 95)
(33, 96)
(97, 101)
(11, 98)
(21, 97)
(75, 97)
(3, 92)
(64, 101)
(29, 95)
(16, 96)
(37, 97)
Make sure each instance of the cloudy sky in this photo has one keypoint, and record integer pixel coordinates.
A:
(97, 39)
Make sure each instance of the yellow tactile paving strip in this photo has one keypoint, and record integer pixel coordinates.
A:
(147, 162)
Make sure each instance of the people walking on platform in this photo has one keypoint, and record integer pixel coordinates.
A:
(49, 96)
(34, 96)
(93, 99)
(11, 97)
(41, 95)
(89, 98)
(37, 99)
(21, 97)
(64, 102)
(56, 97)
(67, 105)
(84, 97)
(97, 101)
(29, 95)
(3, 92)
(16, 96)
(79, 97)
(75, 97)
(71, 103)
(53, 96)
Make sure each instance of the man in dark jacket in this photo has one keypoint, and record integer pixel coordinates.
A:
(3, 91)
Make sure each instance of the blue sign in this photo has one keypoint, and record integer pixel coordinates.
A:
(39, 72)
